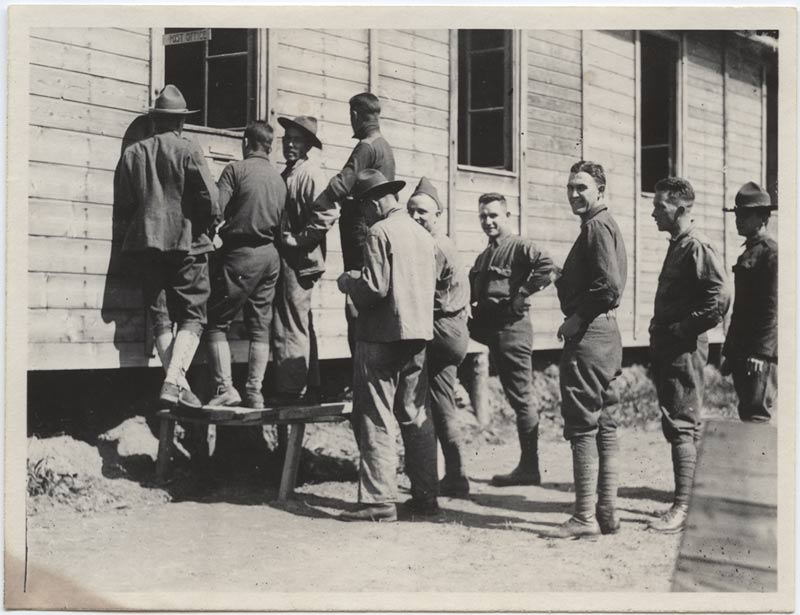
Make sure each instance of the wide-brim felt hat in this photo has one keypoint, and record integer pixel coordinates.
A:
(751, 197)
(306, 124)
(372, 184)
(171, 102)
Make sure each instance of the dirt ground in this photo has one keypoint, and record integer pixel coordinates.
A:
(96, 520)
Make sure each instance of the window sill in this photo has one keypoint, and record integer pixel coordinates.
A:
(213, 131)
(486, 171)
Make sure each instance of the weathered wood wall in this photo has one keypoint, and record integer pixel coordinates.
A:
(579, 100)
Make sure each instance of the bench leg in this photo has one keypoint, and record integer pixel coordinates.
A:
(166, 432)
(292, 461)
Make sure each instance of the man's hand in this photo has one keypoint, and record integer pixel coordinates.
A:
(289, 240)
(754, 365)
(519, 304)
(217, 242)
(570, 327)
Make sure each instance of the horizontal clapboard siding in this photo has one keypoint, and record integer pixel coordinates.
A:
(609, 82)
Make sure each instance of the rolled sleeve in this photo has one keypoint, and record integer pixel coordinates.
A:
(543, 270)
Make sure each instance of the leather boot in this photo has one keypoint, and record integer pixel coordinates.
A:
(256, 368)
(584, 470)
(607, 479)
(455, 483)
(684, 459)
(173, 392)
(527, 471)
(219, 360)
(371, 512)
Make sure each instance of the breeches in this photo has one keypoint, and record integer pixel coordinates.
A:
(757, 392)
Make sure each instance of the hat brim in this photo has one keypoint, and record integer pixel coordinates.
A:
(751, 208)
(172, 111)
(381, 190)
(286, 123)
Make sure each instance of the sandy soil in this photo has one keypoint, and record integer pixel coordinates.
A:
(234, 537)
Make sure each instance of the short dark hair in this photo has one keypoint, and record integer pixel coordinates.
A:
(595, 169)
(366, 103)
(676, 188)
(259, 133)
(490, 197)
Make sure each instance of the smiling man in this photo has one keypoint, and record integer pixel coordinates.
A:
(503, 278)
(692, 298)
(590, 290)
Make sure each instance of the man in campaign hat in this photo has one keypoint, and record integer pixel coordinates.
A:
(393, 293)
(294, 344)
(371, 152)
(750, 352)
(169, 202)
(450, 336)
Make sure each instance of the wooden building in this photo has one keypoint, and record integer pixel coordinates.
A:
(474, 110)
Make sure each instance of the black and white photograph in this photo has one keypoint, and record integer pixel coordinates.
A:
(401, 308)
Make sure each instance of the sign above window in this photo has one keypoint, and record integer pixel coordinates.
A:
(193, 36)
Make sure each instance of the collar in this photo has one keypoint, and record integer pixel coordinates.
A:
(689, 230)
(592, 214)
(500, 240)
(297, 163)
(367, 129)
(754, 241)
(258, 154)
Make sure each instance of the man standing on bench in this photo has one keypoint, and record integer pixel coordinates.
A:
(393, 293)
(169, 199)
(252, 194)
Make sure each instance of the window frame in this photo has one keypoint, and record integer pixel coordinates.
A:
(257, 71)
(679, 103)
(512, 120)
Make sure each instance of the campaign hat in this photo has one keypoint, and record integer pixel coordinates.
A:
(372, 184)
(306, 124)
(171, 102)
(752, 196)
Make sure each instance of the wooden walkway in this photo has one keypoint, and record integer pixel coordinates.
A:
(296, 417)
(730, 542)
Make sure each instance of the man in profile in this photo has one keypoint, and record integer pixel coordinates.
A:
(169, 202)
(692, 297)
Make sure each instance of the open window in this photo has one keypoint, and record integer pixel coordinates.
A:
(485, 99)
(215, 70)
(659, 108)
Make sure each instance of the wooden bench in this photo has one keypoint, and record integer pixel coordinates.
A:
(296, 417)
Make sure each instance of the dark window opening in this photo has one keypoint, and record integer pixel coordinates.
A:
(485, 99)
(772, 131)
(659, 79)
(216, 76)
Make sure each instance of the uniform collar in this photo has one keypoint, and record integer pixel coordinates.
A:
(754, 241)
(297, 163)
(367, 129)
(689, 231)
(258, 154)
(593, 214)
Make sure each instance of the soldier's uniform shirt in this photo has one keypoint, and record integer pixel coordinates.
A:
(394, 296)
(294, 345)
(253, 195)
(452, 283)
(692, 297)
(753, 330)
(168, 200)
(507, 265)
(591, 285)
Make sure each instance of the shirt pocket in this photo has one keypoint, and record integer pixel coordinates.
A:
(498, 281)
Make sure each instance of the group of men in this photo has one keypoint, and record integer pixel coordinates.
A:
(411, 308)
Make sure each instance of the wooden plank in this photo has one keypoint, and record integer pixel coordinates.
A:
(55, 218)
(80, 291)
(416, 138)
(359, 35)
(419, 95)
(413, 114)
(65, 85)
(397, 55)
(81, 325)
(110, 40)
(74, 148)
(413, 75)
(618, 42)
(312, 84)
(537, 127)
(547, 62)
(66, 255)
(556, 145)
(554, 92)
(89, 61)
(554, 51)
(560, 38)
(79, 117)
(543, 75)
(605, 60)
(51, 181)
(556, 104)
(326, 43)
(417, 44)
(321, 64)
(439, 36)
(603, 100)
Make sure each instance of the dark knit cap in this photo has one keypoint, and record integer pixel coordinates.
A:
(426, 187)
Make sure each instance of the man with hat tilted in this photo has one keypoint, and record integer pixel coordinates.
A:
(293, 340)
(450, 336)
(252, 195)
(750, 352)
(393, 293)
(169, 201)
